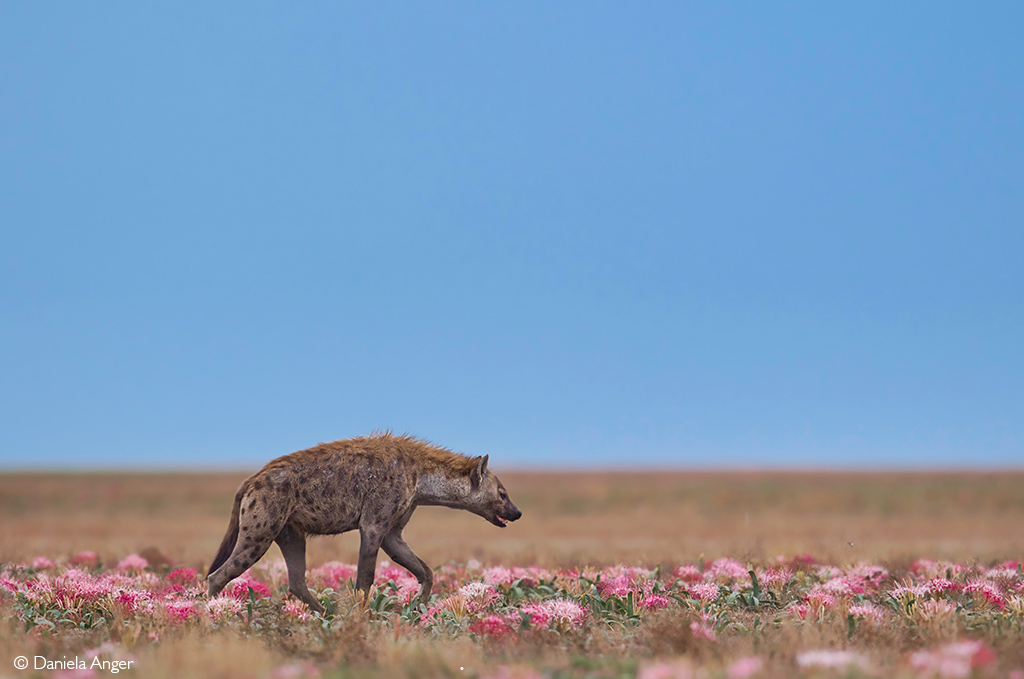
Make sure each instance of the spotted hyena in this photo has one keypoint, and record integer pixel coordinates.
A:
(372, 483)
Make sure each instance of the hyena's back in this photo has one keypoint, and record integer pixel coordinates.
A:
(319, 491)
(327, 489)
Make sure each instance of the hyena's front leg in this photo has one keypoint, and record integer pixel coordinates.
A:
(369, 545)
(395, 547)
(293, 548)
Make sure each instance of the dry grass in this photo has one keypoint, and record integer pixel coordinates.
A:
(569, 519)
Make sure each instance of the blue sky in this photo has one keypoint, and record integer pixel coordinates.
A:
(565, 234)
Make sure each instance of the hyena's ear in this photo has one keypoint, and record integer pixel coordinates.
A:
(477, 475)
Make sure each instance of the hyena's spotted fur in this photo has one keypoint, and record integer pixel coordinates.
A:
(372, 483)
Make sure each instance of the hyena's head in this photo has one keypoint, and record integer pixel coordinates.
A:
(488, 497)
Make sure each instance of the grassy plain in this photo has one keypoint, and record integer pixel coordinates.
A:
(636, 518)
(571, 520)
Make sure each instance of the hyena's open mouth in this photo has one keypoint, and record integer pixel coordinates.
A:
(502, 521)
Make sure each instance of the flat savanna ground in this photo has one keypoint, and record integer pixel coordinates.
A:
(569, 519)
(907, 575)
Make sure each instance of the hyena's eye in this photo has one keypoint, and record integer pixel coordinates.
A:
(502, 494)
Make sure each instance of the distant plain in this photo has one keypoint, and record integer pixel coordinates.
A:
(571, 518)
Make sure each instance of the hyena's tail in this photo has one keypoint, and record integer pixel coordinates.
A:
(228, 545)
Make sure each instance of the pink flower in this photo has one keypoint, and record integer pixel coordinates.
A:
(868, 611)
(498, 575)
(560, 612)
(41, 563)
(745, 667)
(799, 611)
(531, 576)
(131, 600)
(79, 590)
(931, 609)
(397, 574)
(866, 576)
(222, 607)
(87, 559)
(829, 659)
(653, 602)
(132, 563)
(11, 586)
(689, 573)
(907, 592)
(774, 576)
(942, 585)
(820, 599)
(952, 661)
(617, 586)
(407, 591)
(729, 569)
(706, 592)
(492, 626)
(181, 611)
(295, 670)
(989, 592)
(935, 569)
(480, 592)
(183, 576)
(843, 586)
(826, 572)
(703, 630)
(676, 670)
(1000, 573)
(239, 588)
(297, 610)
(333, 574)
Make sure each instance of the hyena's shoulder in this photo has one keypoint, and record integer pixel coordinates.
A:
(418, 455)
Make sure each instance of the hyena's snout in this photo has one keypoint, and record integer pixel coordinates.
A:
(507, 513)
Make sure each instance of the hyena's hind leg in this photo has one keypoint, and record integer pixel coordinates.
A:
(395, 547)
(256, 532)
(293, 547)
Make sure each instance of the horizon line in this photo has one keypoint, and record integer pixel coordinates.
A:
(561, 469)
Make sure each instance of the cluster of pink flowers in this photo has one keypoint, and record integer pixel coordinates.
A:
(498, 602)
(869, 612)
(501, 576)
(333, 574)
(130, 590)
(480, 592)
(705, 592)
(704, 628)
(830, 659)
(495, 626)
(743, 668)
(240, 586)
(775, 577)
(952, 661)
(677, 669)
(560, 613)
(728, 571)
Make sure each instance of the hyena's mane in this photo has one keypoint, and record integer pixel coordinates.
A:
(430, 457)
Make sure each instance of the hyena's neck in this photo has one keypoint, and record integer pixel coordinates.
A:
(437, 488)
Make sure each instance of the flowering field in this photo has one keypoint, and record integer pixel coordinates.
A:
(718, 618)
